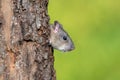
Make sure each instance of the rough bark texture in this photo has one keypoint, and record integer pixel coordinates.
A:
(25, 53)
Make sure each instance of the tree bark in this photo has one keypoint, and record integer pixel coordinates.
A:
(25, 53)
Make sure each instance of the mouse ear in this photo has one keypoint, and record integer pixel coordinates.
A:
(57, 26)
(56, 22)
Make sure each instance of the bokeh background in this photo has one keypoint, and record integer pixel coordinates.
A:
(94, 26)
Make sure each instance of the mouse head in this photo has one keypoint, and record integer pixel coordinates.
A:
(59, 38)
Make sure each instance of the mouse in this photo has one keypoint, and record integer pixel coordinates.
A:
(59, 38)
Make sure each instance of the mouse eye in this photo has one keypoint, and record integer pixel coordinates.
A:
(64, 38)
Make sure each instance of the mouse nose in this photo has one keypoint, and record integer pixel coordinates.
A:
(71, 48)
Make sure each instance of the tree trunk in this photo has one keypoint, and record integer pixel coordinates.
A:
(25, 53)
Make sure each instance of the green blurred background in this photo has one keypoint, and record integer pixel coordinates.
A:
(94, 26)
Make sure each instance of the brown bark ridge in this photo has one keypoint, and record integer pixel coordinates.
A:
(25, 53)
